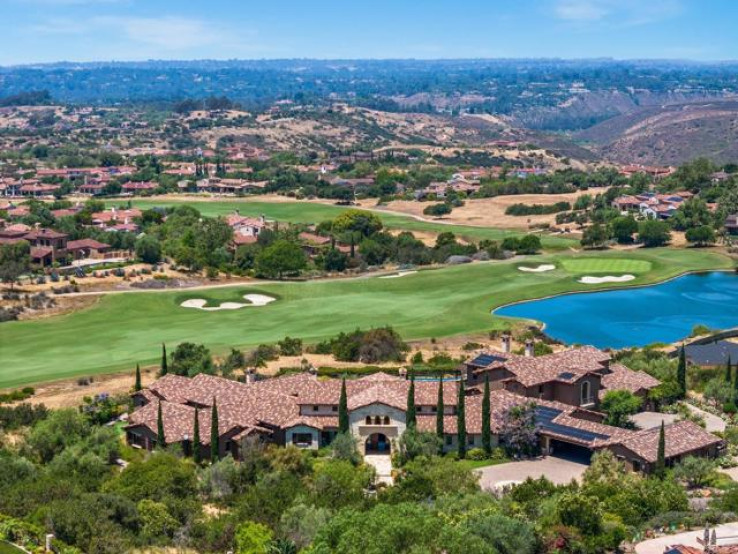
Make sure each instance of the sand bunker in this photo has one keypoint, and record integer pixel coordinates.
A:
(254, 300)
(589, 280)
(399, 274)
(538, 269)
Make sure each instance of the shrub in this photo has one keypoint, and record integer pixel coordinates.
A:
(438, 209)
(476, 454)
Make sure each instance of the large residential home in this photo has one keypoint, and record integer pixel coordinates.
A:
(577, 377)
(86, 248)
(116, 219)
(649, 204)
(652, 171)
(302, 410)
(457, 183)
(139, 187)
(245, 227)
(47, 246)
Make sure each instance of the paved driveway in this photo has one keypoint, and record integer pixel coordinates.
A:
(649, 420)
(558, 470)
(727, 534)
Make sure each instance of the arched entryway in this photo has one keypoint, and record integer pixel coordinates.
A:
(377, 443)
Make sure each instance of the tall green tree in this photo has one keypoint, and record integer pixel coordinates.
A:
(682, 371)
(486, 419)
(137, 386)
(439, 416)
(196, 443)
(410, 414)
(161, 440)
(164, 369)
(461, 422)
(343, 418)
(660, 469)
(214, 435)
(728, 371)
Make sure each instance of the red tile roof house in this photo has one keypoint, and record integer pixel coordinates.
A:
(86, 248)
(138, 188)
(47, 246)
(303, 410)
(576, 377)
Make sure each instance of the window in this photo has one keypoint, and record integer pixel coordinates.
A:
(316, 408)
(334, 408)
(386, 420)
(471, 440)
(449, 440)
(434, 409)
(377, 420)
(302, 439)
(368, 420)
(586, 393)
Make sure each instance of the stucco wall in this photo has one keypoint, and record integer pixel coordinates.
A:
(298, 429)
(360, 429)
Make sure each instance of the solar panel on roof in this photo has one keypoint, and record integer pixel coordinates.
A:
(545, 417)
(486, 359)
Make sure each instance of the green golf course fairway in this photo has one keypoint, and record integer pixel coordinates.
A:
(311, 212)
(123, 329)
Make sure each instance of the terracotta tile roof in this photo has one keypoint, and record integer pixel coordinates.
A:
(567, 366)
(622, 378)
(682, 437)
(86, 243)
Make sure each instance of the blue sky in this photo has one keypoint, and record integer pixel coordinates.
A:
(88, 30)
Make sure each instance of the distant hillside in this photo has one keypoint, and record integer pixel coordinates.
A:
(670, 134)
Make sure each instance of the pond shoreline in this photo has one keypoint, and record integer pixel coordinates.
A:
(666, 320)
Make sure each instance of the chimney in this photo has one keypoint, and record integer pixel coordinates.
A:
(402, 372)
(529, 348)
(506, 343)
(250, 376)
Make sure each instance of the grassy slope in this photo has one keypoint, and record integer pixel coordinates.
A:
(127, 328)
(307, 212)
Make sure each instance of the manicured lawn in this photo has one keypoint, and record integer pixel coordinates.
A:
(6, 548)
(476, 464)
(624, 264)
(309, 212)
(123, 329)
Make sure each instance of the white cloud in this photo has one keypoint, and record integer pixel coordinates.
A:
(170, 32)
(617, 12)
(123, 36)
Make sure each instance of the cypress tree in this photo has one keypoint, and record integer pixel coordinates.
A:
(164, 369)
(728, 371)
(353, 248)
(735, 387)
(343, 418)
(137, 387)
(486, 416)
(410, 415)
(461, 422)
(682, 371)
(161, 440)
(660, 469)
(196, 445)
(439, 416)
(214, 449)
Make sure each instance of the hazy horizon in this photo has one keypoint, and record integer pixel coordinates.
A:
(104, 31)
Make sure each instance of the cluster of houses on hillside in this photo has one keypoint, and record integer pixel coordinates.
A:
(564, 390)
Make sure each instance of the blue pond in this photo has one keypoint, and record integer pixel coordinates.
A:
(665, 312)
